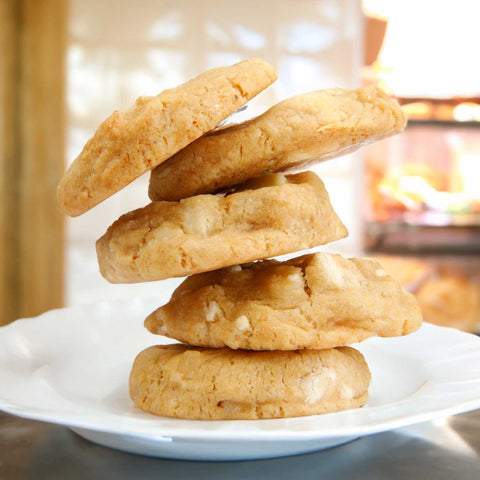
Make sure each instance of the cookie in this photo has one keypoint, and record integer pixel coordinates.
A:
(302, 130)
(128, 144)
(409, 271)
(222, 384)
(315, 301)
(450, 300)
(206, 232)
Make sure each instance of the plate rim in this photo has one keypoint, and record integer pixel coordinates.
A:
(79, 420)
(269, 435)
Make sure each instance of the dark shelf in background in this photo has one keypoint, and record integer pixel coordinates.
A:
(442, 123)
(416, 239)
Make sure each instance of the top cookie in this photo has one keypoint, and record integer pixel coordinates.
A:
(128, 144)
(299, 131)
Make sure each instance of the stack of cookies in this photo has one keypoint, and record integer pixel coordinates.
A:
(265, 339)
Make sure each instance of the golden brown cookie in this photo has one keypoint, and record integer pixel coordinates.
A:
(450, 300)
(222, 384)
(316, 301)
(409, 271)
(130, 143)
(197, 234)
(302, 130)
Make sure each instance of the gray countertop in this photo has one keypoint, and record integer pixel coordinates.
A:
(445, 449)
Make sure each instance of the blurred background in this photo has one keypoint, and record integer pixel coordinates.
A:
(412, 200)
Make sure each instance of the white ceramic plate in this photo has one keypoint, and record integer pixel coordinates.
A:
(71, 367)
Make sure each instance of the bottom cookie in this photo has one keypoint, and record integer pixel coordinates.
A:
(223, 384)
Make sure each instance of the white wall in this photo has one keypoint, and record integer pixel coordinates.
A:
(119, 50)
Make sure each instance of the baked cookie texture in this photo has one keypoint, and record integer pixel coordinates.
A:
(293, 134)
(222, 384)
(206, 232)
(128, 144)
(315, 301)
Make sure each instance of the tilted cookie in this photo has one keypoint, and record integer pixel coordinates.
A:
(222, 384)
(316, 301)
(301, 130)
(206, 232)
(128, 144)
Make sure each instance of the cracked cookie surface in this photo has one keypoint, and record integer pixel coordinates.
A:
(127, 144)
(316, 301)
(301, 130)
(222, 384)
(206, 232)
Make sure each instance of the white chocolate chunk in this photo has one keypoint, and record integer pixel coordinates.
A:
(315, 384)
(212, 312)
(347, 392)
(242, 323)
